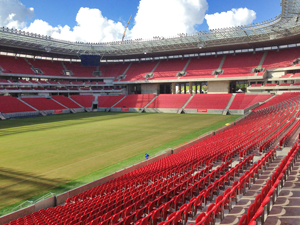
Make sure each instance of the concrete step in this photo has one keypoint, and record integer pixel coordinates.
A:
(185, 104)
(2, 117)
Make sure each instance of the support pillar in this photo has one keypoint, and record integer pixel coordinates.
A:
(173, 88)
(190, 87)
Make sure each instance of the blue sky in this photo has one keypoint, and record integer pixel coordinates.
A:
(54, 15)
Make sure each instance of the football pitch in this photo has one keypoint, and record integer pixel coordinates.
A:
(60, 152)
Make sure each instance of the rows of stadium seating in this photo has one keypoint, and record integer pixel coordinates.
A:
(58, 82)
(169, 101)
(138, 70)
(80, 71)
(240, 64)
(15, 65)
(234, 66)
(284, 58)
(182, 185)
(169, 69)
(135, 101)
(58, 89)
(48, 67)
(66, 101)
(213, 101)
(274, 85)
(84, 100)
(202, 67)
(243, 101)
(9, 104)
(108, 101)
(267, 196)
(43, 104)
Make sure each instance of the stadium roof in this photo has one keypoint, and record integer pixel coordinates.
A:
(281, 30)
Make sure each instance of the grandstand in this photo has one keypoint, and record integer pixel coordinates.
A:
(105, 102)
(84, 100)
(44, 104)
(133, 103)
(167, 103)
(226, 176)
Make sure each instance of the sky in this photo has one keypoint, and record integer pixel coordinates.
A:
(105, 20)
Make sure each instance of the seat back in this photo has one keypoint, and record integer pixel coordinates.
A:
(243, 220)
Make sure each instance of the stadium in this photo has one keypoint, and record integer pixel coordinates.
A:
(217, 111)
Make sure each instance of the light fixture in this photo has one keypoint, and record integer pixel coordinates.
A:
(48, 49)
(200, 45)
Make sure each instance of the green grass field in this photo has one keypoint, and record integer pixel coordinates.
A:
(60, 152)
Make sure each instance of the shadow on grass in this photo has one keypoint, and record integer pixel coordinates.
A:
(16, 126)
(17, 186)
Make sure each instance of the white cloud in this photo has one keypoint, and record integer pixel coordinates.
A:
(167, 17)
(234, 17)
(41, 27)
(91, 27)
(13, 14)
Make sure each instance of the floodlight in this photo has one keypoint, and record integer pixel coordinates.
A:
(48, 49)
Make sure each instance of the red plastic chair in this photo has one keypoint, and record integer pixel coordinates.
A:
(156, 216)
(218, 213)
(251, 211)
(200, 218)
(243, 220)
(129, 219)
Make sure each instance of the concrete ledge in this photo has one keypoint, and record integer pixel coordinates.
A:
(49, 202)
(15, 215)
(102, 109)
(161, 110)
(125, 109)
(21, 114)
(209, 111)
(79, 110)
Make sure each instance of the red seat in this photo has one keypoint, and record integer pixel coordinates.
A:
(251, 211)
(218, 208)
(129, 219)
(243, 220)
(156, 216)
(200, 218)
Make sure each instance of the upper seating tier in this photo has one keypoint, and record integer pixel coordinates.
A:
(113, 70)
(283, 58)
(240, 64)
(80, 71)
(15, 65)
(49, 68)
(167, 70)
(138, 70)
(202, 67)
